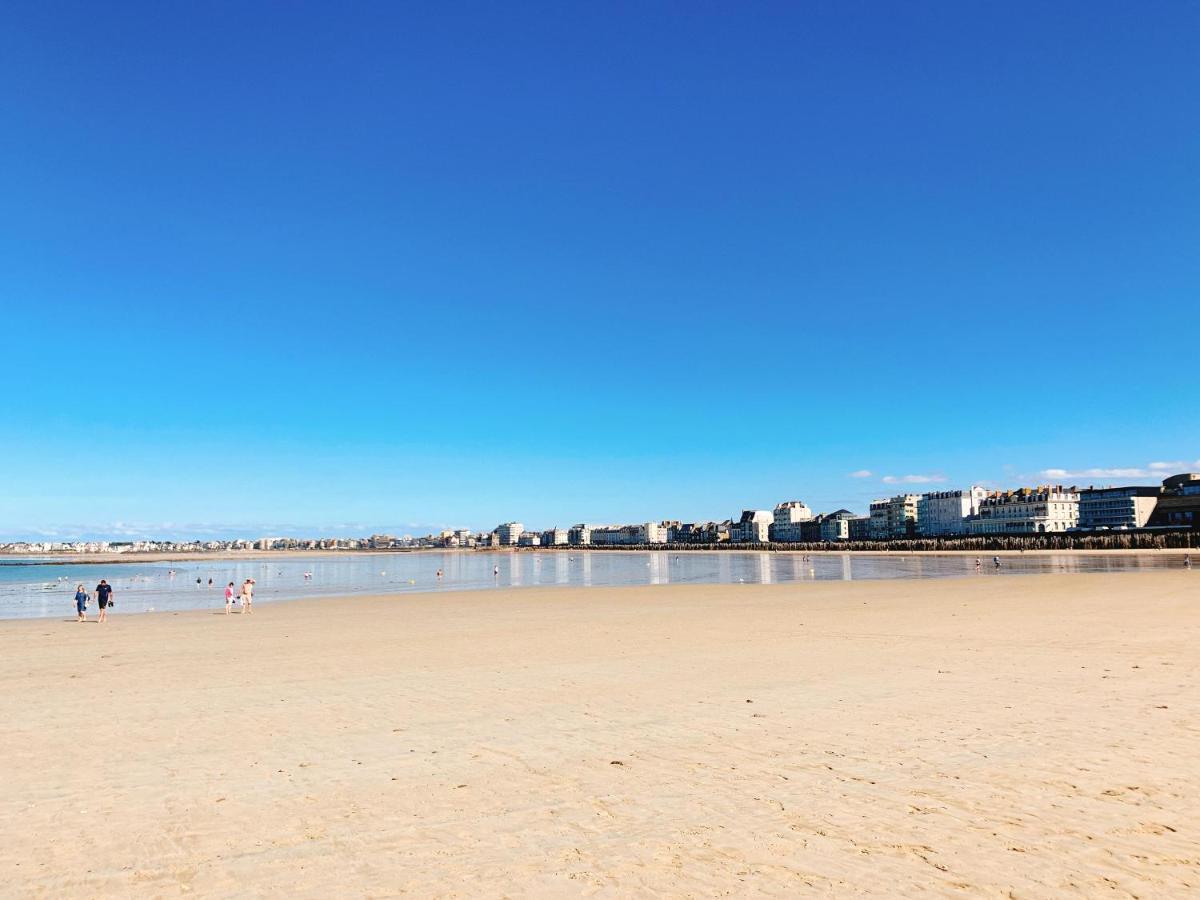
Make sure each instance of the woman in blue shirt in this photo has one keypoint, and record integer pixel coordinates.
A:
(81, 601)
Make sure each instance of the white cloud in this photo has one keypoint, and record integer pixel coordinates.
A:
(1154, 470)
(861, 473)
(913, 479)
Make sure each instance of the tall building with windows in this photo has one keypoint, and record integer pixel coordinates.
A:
(508, 534)
(895, 517)
(946, 512)
(1027, 511)
(1116, 507)
(754, 527)
(787, 521)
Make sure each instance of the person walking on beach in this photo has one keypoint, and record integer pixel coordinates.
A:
(1187, 560)
(978, 564)
(228, 598)
(81, 600)
(104, 593)
(247, 596)
(996, 561)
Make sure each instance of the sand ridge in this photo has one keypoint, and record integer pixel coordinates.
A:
(982, 736)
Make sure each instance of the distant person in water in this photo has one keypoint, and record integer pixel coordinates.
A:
(996, 561)
(495, 571)
(81, 600)
(228, 598)
(198, 582)
(104, 594)
(978, 564)
(1187, 560)
(210, 582)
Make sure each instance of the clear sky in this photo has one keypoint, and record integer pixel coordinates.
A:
(337, 267)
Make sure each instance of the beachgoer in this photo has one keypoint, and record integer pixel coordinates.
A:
(81, 600)
(228, 598)
(104, 593)
(1187, 560)
(978, 564)
(495, 571)
(439, 574)
(197, 582)
(996, 561)
(248, 596)
(210, 582)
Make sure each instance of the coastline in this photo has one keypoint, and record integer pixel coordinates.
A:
(59, 559)
(1032, 735)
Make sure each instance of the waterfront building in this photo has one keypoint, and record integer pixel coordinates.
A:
(579, 535)
(1027, 510)
(860, 528)
(699, 533)
(529, 539)
(635, 535)
(946, 512)
(1116, 507)
(1179, 503)
(555, 537)
(835, 526)
(509, 533)
(895, 517)
(754, 527)
(787, 520)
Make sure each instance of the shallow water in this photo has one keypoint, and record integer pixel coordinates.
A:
(32, 589)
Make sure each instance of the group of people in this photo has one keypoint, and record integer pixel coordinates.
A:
(104, 600)
(103, 595)
(245, 595)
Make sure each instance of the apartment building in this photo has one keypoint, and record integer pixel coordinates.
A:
(1027, 510)
(946, 512)
(1117, 507)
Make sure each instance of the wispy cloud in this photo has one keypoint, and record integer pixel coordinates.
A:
(861, 473)
(1152, 470)
(913, 479)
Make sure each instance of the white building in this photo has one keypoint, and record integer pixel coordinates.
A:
(579, 535)
(509, 533)
(946, 512)
(555, 537)
(792, 511)
(610, 535)
(1028, 510)
(754, 527)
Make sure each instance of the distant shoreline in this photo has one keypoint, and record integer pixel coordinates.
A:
(64, 559)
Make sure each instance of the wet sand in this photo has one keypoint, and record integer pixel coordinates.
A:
(1031, 735)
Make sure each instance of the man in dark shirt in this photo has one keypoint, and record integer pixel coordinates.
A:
(103, 598)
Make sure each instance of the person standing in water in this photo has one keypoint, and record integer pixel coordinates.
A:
(81, 599)
(104, 593)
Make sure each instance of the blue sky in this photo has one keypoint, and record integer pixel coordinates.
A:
(337, 267)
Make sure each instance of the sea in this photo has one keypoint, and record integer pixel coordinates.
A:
(44, 588)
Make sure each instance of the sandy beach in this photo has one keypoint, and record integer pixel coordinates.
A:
(1028, 737)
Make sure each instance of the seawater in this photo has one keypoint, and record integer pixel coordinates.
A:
(35, 588)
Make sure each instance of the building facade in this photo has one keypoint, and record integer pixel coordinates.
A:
(754, 527)
(1116, 507)
(508, 534)
(1027, 511)
(946, 512)
(895, 517)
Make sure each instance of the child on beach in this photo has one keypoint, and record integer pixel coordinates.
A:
(81, 601)
(228, 598)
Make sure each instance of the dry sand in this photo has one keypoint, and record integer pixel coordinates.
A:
(1037, 736)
